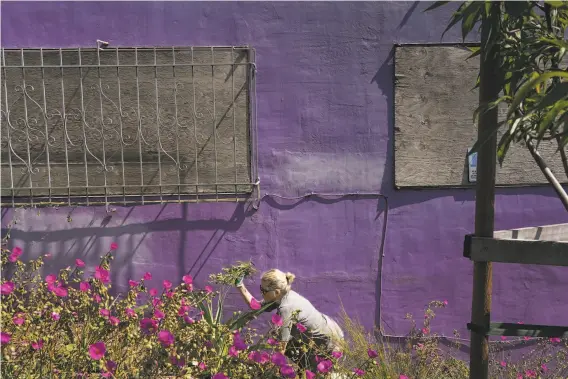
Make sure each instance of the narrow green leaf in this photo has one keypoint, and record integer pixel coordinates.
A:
(478, 143)
(558, 92)
(456, 17)
(475, 53)
(516, 8)
(557, 4)
(528, 86)
(503, 147)
(436, 4)
(550, 116)
(471, 15)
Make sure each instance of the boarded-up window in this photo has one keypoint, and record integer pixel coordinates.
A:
(434, 104)
(126, 125)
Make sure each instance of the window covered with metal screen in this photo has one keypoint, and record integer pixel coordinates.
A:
(127, 125)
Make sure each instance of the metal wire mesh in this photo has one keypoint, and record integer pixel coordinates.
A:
(127, 125)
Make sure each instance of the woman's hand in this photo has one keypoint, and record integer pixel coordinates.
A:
(239, 282)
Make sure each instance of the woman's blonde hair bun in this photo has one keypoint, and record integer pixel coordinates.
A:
(276, 279)
(290, 277)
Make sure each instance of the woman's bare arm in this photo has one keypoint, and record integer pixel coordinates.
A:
(245, 294)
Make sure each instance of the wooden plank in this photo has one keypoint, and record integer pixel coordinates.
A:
(481, 249)
(433, 127)
(522, 330)
(558, 232)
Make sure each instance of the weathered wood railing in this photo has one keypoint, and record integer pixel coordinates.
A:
(542, 245)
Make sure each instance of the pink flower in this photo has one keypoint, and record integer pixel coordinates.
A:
(170, 294)
(18, 319)
(113, 246)
(202, 366)
(239, 343)
(188, 280)
(254, 304)
(520, 323)
(288, 371)
(167, 284)
(310, 375)
(147, 276)
(208, 289)
(259, 357)
(16, 252)
(153, 292)
(276, 319)
(79, 263)
(7, 288)
(503, 338)
(148, 325)
(132, 283)
(530, 374)
(555, 339)
(272, 342)
(159, 314)
(37, 345)
(130, 312)
(403, 377)
(156, 302)
(220, 375)
(425, 330)
(97, 350)
(97, 298)
(5, 338)
(84, 286)
(336, 354)
(278, 359)
(233, 352)
(60, 291)
(110, 365)
(183, 310)
(101, 274)
(358, 372)
(301, 328)
(544, 368)
(503, 364)
(445, 302)
(177, 362)
(166, 338)
(519, 376)
(372, 353)
(324, 366)
(188, 319)
(104, 312)
(50, 279)
(526, 338)
(55, 316)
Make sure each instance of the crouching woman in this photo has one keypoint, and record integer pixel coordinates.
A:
(302, 324)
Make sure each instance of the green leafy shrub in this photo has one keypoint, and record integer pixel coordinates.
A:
(68, 325)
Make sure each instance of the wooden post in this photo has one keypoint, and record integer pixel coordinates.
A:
(485, 196)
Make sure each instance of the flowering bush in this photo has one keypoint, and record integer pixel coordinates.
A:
(68, 325)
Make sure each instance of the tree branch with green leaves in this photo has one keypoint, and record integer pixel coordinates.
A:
(532, 72)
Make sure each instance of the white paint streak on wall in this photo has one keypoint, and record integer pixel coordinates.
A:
(304, 172)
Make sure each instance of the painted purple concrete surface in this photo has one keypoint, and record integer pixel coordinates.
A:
(325, 86)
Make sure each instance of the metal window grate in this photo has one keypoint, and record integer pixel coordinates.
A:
(127, 125)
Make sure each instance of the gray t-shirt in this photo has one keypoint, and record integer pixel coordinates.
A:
(314, 321)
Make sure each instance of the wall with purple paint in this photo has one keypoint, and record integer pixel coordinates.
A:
(325, 86)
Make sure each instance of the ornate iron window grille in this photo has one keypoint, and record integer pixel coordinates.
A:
(128, 125)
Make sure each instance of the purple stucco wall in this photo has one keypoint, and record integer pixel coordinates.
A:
(325, 88)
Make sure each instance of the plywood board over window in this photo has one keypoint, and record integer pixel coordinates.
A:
(433, 127)
(127, 125)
